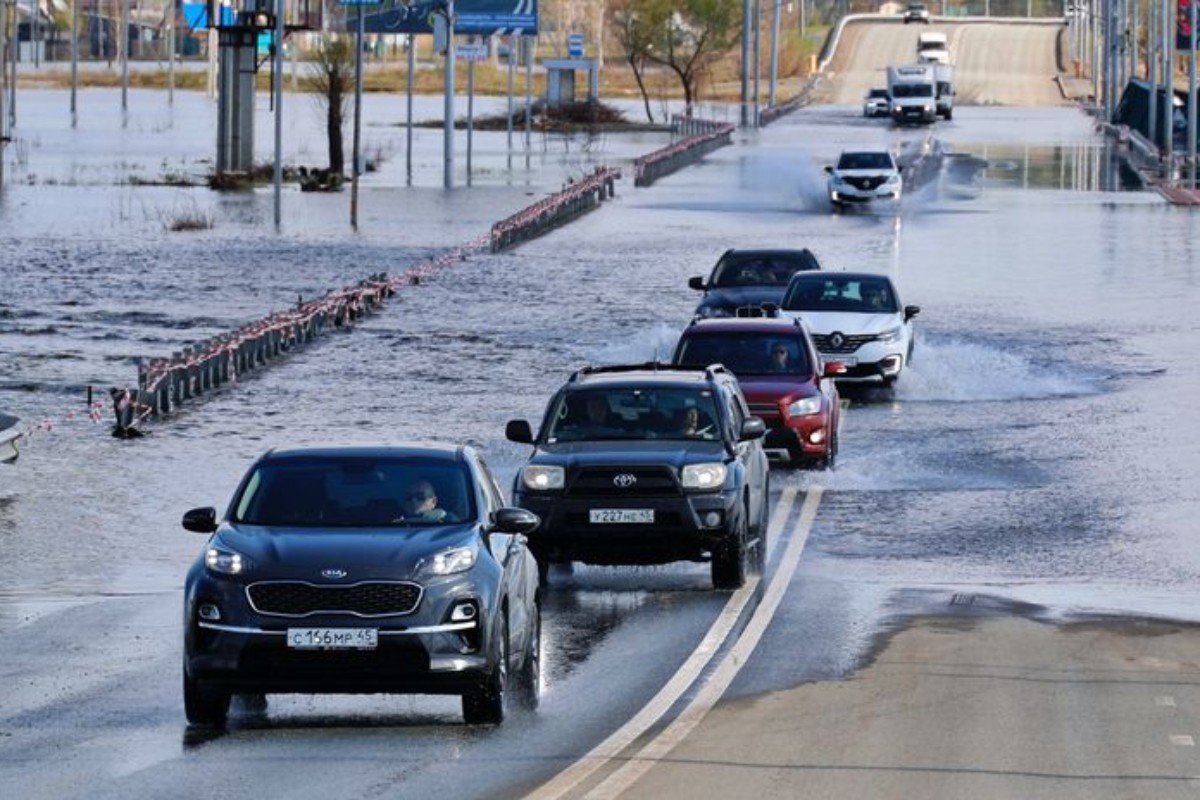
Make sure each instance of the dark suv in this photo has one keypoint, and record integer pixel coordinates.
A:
(782, 377)
(647, 464)
(743, 280)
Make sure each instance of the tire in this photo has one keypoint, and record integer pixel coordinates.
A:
(204, 705)
(830, 460)
(486, 705)
(949, 115)
(527, 685)
(729, 559)
(543, 568)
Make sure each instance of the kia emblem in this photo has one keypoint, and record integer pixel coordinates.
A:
(624, 480)
(334, 574)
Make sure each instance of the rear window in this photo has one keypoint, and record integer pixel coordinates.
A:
(774, 269)
(753, 353)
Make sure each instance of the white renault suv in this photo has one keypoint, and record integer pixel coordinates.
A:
(863, 177)
(856, 319)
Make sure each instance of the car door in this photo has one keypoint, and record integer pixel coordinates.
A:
(750, 454)
(510, 551)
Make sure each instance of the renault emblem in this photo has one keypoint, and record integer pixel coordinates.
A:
(334, 574)
(624, 480)
(837, 339)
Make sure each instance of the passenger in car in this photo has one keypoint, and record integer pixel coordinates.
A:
(874, 297)
(781, 359)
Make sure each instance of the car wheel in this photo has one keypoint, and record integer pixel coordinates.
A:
(202, 704)
(527, 690)
(543, 567)
(831, 457)
(729, 558)
(485, 705)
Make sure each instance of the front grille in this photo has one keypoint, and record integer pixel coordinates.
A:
(867, 183)
(764, 410)
(849, 343)
(299, 599)
(602, 482)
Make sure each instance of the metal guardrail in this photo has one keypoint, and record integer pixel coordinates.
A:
(556, 210)
(701, 137)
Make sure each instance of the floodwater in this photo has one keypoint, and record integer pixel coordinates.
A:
(1042, 445)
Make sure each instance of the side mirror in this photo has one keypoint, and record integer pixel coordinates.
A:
(752, 428)
(518, 430)
(829, 168)
(516, 520)
(833, 369)
(910, 312)
(696, 282)
(200, 520)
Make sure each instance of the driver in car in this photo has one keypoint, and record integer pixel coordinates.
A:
(421, 503)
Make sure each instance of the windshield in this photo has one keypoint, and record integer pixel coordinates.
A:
(878, 94)
(633, 413)
(747, 353)
(865, 161)
(761, 269)
(912, 90)
(355, 493)
(867, 295)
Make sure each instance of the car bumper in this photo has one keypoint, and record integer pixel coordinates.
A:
(851, 195)
(685, 528)
(869, 364)
(418, 653)
(913, 116)
(808, 434)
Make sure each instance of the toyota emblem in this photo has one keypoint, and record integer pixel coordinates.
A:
(837, 339)
(334, 574)
(624, 480)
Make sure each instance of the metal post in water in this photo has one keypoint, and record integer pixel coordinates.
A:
(170, 53)
(123, 42)
(1169, 81)
(470, 112)
(12, 78)
(774, 51)
(745, 63)
(357, 119)
(757, 58)
(1191, 118)
(277, 68)
(448, 121)
(531, 41)
(1152, 49)
(408, 134)
(74, 60)
(512, 45)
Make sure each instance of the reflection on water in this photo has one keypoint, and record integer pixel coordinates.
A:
(1083, 167)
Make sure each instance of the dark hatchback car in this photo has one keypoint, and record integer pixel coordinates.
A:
(782, 376)
(647, 464)
(363, 570)
(743, 280)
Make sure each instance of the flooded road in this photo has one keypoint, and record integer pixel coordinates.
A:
(1039, 455)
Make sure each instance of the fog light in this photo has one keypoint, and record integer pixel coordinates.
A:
(463, 612)
(712, 519)
(817, 436)
(209, 612)
(890, 365)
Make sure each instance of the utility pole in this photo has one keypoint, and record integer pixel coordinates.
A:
(277, 67)
(775, 4)
(1191, 118)
(74, 60)
(448, 126)
(745, 63)
(358, 71)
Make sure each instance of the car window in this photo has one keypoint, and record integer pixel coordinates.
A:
(752, 353)
(353, 493)
(865, 161)
(774, 269)
(867, 295)
(633, 413)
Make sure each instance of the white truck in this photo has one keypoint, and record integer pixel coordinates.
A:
(913, 90)
(933, 48)
(943, 75)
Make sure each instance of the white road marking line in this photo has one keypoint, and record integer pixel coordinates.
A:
(614, 785)
(1166, 701)
(1182, 740)
(624, 736)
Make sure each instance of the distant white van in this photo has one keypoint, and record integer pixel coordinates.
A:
(933, 48)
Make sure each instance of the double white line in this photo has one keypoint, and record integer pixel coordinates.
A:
(726, 670)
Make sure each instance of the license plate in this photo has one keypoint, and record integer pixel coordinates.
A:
(333, 638)
(849, 361)
(628, 516)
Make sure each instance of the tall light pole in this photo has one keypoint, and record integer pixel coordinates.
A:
(277, 66)
(745, 63)
(448, 127)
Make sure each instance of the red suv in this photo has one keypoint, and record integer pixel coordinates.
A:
(782, 377)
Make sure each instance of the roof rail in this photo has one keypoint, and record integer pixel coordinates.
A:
(648, 366)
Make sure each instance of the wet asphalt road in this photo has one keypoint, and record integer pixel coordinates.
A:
(1038, 458)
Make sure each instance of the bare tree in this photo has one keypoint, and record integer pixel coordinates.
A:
(332, 68)
(634, 38)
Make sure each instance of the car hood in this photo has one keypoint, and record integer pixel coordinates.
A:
(769, 389)
(823, 323)
(675, 452)
(742, 296)
(363, 553)
(864, 173)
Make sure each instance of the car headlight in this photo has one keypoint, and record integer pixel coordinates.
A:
(225, 561)
(891, 336)
(893, 180)
(543, 477)
(804, 407)
(929, 109)
(704, 476)
(448, 562)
